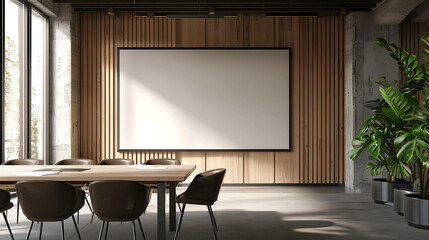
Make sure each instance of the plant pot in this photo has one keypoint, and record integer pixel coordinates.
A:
(399, 195)
(416, 211)
(382, 190)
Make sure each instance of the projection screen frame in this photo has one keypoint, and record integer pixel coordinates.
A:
(203, 150)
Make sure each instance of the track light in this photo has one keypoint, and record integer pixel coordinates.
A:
(212, 11)
(111, 11)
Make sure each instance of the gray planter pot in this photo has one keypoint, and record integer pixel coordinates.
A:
(416, 211)
(382, 190)
(399, 196)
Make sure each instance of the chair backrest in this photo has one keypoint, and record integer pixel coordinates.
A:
(22, 162)
(119, 200)
(49, 200)
(75, 161)
(4, 199)
(119, 161)
(206, 185)
(162, 162)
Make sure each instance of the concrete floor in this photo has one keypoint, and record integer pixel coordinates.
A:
(256, 212)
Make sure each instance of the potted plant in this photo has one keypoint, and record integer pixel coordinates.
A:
(379, 132)
(413, 142)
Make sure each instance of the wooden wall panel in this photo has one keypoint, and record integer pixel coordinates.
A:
(258, 167)
(232, 161)
(410, 36)
(193, 158)
(258, 31)
(317, 89)
(190, 32)
(224, 32)
(287, 163)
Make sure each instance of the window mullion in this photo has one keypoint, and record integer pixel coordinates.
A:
(2, 48)
(27, 83)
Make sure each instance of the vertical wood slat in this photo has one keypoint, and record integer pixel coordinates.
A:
(302, 155)
(341, 99)
(287, 163)
(319, 101)
(316, 87)
(323, 101)
(306, 101)
(311, 89)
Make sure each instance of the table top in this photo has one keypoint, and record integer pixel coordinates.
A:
(144, 173)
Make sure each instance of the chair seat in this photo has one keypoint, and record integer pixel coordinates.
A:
(6, 207)
(183, 199)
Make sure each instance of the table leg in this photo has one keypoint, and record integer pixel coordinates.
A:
(161, 210)
(172, 211)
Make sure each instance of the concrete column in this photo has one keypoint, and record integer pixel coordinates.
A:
(365, 63)
(64, 85)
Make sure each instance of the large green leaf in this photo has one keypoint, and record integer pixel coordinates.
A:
(390, 113)
(366, 124)
(376, 141)
(401, 139)
(355, 152)
(397, 101)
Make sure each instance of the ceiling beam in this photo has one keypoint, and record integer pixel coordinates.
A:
(421, 13)
(309, 2)
(218, 6)
(392, 12)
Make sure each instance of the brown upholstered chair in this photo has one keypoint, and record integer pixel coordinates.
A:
(5, 205)
(162, 162)
(49, 201)
(22, 162)
(119, 161)
(119, 201)
(75, 161)
(203, 190)
(10, 187)
(81, 185)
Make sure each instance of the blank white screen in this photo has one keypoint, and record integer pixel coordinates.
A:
(204, 99)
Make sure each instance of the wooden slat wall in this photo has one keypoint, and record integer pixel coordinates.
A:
(410, 35)
(317, 86)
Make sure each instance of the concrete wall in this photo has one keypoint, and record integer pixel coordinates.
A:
(64, 85)
(365, 63)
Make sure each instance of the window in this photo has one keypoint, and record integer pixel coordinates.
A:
(38, 83)
(25, 81)
(13, 79)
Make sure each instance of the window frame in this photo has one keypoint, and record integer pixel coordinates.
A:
(26, 129)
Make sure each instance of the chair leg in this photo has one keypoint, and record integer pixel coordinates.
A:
(180, 221)
(17, 211)
(90, 208)
(77, 229)
(7, 224)
(78, 217)
(29, 230)
(213, 223)
(134, 229)
(41, 229)
(180, 208)
(141, 228)
(62, 230)
(101, 231)
(107, 229)
(212, 216)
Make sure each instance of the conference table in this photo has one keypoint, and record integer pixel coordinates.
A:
(159, 175)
